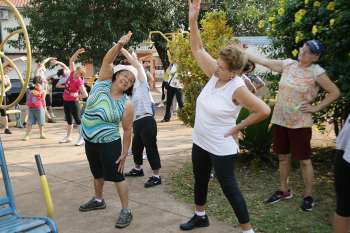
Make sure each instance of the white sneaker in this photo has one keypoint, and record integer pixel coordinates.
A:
(144, 156)
(80, 141)
(65, 140)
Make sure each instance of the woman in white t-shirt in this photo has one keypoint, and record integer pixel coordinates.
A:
(215, 132)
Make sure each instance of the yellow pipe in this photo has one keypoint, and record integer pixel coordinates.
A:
(47, 195)
(13, 65)
(29, 55)
(2, 82)
(7, 38)
(158, 32)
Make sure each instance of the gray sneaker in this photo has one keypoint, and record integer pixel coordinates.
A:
(124, 218)
(93, 204)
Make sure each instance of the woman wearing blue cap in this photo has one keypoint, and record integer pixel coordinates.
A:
(292, 116)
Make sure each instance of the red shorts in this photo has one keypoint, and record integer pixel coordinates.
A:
(292, 141)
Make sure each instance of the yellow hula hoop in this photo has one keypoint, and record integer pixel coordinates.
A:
(11, 63)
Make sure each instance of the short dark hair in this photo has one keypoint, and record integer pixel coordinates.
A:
(249, 67)
(60, 72)
(37, 80)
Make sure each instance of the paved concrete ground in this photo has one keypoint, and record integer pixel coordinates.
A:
(154, 209)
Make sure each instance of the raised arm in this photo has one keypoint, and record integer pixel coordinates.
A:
(272, 64)
(206, 62)
(132, 59)
(64, 66)
(74, 57)
(106, 70)
(41, 66)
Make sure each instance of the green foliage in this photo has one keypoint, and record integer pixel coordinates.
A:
(294, 21)
(257, 182)
(246, 15)
(215, 34)
(60, 27)
(257, 138)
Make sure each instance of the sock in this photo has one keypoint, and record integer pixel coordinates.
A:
(139, 169)
(157, 176)
(98, 199)
(200, 213)
(249, 231)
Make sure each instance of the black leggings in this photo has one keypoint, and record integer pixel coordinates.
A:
(145, 135)
(171, 93)
(2, 110)
(342, 189)
(224, 170)
(72, 108)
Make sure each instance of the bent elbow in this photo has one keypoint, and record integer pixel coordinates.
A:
(265, 112)
(337, 93)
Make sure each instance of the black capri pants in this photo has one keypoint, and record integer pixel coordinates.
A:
(145, 136)
(72, 109)
(3, 111)
(48, 100)
(342, 188)
(102, 159)
(203, 161)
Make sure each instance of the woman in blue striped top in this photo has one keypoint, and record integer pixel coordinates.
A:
(108, 106)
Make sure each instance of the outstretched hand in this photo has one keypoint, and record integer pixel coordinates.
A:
(125, 39)
(194, 8)
(132, 58)
(80, 51)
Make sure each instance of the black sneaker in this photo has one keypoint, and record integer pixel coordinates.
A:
(92, 205)
(124, 218)
(307, 204)
(194, 222)
(7, 131)
(278, 196)
(135, 172)
(153, 181)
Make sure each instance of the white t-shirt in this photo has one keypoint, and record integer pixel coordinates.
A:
(44, 82)
(343, 140)
(216, 115)
(7, 81)
(142, 99)
(173, 78)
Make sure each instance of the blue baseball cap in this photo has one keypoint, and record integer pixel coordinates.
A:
(316, 47)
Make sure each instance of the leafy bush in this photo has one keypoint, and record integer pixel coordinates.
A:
(215, 34)
(257, 138)
(294, 21)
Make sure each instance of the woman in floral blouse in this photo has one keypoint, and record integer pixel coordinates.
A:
(292, 116)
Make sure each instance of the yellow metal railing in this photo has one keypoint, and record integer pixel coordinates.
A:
(3, 57)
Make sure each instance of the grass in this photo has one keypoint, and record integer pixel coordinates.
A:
(257, 182)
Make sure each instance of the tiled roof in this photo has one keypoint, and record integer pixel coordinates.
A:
(255, 40)
(17, 3)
